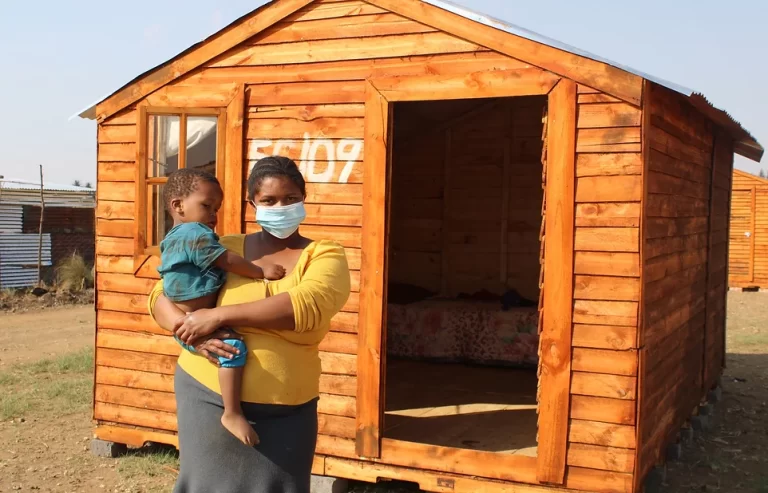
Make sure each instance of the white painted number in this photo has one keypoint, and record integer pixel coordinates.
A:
(346, 151)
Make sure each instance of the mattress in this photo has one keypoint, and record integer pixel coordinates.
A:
(462, 331)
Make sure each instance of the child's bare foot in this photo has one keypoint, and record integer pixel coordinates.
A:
(239, 426)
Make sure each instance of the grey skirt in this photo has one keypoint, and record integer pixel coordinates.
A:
(214, 461)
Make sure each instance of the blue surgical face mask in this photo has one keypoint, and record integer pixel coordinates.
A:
(281, 221)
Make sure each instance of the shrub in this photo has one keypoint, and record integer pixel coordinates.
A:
(74, 274)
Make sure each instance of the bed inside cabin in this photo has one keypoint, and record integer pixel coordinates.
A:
(463, 274)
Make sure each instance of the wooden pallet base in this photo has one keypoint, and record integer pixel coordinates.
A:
(134, 437)
(369, 472)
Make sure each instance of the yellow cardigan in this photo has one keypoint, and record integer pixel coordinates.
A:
(283, 367)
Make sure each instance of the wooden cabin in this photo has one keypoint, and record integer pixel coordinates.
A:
(537, 238)
(748, 245)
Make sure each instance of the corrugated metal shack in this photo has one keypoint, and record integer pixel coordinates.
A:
(67, 227)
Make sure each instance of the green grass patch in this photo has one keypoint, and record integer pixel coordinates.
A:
(77, 362)
(152, 462)
(750, 339)
(62, 384)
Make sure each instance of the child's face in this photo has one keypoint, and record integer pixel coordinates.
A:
(201, 206)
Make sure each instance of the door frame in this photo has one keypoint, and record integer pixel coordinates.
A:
(380, 94)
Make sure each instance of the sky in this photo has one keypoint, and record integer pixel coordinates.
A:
(60, 57)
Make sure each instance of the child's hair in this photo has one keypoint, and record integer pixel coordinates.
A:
(273, 167)
(183, 182)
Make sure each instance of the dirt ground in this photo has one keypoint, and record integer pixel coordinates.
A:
(32, 336)
(45, 432)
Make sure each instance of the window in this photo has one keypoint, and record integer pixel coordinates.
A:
(172, 138)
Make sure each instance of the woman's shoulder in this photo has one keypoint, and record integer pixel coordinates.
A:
(323, 247)
(326, 253)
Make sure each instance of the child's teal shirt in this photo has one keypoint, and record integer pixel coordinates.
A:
(187, 257)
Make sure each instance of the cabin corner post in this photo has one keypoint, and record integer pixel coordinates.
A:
(373, 274)
(555, 345)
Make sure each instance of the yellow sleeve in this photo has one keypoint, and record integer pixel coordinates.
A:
(323, 290)
(153, 297)
(233, 243)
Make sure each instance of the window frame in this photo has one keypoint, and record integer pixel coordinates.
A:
(144, 211)
(229, 167)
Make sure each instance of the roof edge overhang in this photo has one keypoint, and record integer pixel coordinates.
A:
(744, 143)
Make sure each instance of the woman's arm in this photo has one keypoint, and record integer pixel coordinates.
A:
(322, 292)
(275, 312)
(166, 314)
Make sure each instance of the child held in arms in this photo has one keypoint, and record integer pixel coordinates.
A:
(193, 268)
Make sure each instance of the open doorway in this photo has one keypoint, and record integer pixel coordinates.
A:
(464, 274)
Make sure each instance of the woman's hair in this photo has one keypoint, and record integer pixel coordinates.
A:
(183, 182)
(274, 167)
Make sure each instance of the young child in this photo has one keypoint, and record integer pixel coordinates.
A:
(193, 268)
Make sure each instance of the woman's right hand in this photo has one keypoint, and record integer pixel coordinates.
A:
(212, 346)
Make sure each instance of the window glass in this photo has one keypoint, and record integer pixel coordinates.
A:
(201, 143)
(163, 133)
(160, 220)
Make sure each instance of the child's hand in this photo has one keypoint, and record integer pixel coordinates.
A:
(273, 272)
(195, 325)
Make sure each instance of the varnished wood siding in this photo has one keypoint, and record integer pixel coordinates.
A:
(717, 268)
(748, 253)
(607, 278)
(684, 275)
(305, 93)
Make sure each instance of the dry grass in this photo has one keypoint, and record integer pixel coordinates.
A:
(22, 300)
(74, 274)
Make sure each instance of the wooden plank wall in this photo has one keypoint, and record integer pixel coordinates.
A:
(607, 287)
(717, 268)
(135, 360)
(466, 196)
(748, 256)
(684, 252)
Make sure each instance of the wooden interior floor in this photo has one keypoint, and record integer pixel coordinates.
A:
(450, 405)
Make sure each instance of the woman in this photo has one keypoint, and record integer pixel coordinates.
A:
(282, 323)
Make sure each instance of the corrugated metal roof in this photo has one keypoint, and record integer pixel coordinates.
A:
(16, 184)
(23, 192)
(753, 149)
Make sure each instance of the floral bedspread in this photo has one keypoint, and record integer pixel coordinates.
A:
(463, 331)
